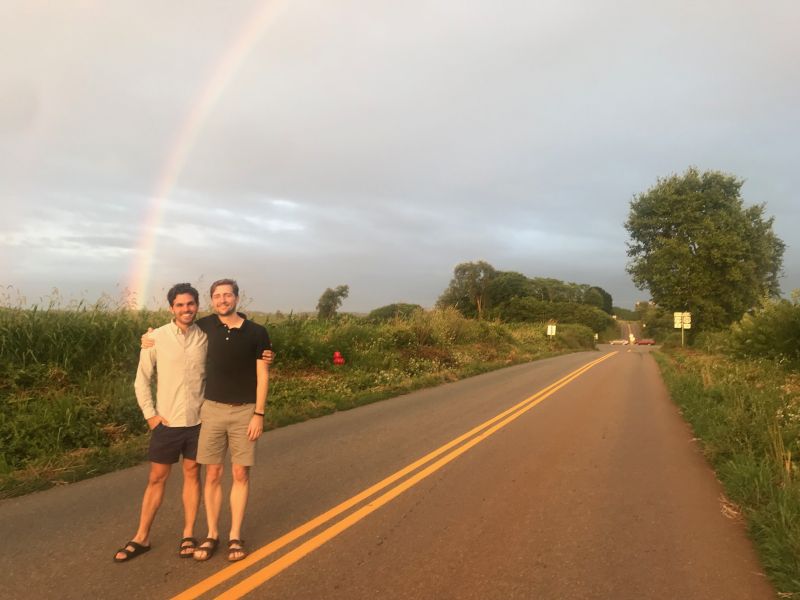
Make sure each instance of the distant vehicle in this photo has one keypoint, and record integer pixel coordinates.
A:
(646, 342)
(618, 342)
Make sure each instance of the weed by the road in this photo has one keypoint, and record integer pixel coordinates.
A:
(747, 414)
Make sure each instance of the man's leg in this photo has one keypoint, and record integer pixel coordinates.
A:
(211, 449)
(212, 493)
(153, 495)
(239, 492)
(191, 499)
(243, 456)
(191, 495)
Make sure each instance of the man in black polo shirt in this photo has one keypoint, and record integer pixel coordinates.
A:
(232, 415)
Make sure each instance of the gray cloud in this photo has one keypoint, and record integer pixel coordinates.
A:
(377, 144)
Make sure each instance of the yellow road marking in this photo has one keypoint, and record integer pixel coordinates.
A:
(488, 427)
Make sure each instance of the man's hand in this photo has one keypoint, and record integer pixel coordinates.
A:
(268, 356)
(255, 428)
(147, 341)
(153, 422)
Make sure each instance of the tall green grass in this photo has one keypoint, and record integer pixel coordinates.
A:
(747, 413)
(67, 407)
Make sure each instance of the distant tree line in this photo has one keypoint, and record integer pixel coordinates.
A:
(693, 245)
(478, 290)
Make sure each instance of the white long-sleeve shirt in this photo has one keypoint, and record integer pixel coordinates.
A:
(180, 361)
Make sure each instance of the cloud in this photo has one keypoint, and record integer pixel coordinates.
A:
(360, 143)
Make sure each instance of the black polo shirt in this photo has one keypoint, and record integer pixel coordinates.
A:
(230, 362)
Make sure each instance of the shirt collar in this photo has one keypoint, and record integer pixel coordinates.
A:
(177, 330)
(242, 326)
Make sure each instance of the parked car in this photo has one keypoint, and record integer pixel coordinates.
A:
(618, 342)
(646, 342)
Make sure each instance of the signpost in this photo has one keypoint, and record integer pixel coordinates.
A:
(551, 333)
(683, 320)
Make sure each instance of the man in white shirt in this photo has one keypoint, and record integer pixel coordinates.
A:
(174, 421)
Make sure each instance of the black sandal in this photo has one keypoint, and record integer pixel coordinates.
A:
(187, 543)
(208, 549)
(238, 549)
(130, 554)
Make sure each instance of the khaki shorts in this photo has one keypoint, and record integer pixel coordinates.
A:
(224, 425)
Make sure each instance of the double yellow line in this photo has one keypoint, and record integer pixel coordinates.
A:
(451, 451)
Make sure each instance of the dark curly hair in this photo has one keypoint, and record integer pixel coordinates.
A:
(182, 288)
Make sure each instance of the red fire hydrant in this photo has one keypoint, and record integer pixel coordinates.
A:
(338, 359)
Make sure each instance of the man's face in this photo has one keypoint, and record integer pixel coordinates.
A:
(184, 308)
(224, 300)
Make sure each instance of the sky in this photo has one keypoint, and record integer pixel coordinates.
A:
(305, 144)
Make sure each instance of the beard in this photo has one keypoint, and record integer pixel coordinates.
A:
(224, 311)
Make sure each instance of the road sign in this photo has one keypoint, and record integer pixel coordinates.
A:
(683, 320)
(551, 330)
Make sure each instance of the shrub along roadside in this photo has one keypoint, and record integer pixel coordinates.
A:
(772, 331)
(747, 414)
(67, 408)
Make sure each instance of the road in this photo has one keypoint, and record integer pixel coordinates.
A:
(630, 328)
(571, 477)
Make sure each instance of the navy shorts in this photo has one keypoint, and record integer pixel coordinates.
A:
(168, 443)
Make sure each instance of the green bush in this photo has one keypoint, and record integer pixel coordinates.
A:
(660, 324)
(711, 342)
(531, 310)
(625, 314)
(772, 331)
(673, 340)
(575, 337)
(399, 310)
(300, 341)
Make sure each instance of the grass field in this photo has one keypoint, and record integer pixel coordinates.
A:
(747, 414)
(67, 408)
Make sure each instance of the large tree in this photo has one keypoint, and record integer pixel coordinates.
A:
(697, 248)
(331, 300)
(468, 290)
(600, 298)
(506, 285)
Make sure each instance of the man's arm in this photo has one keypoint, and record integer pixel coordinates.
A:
(256, 426)
(144, 395)
(147, 339)
(148, 342)
(268, 355)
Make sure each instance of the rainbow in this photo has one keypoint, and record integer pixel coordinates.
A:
(222, 74)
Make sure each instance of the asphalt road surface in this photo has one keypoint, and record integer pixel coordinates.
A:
(630, 328)
(572, 477)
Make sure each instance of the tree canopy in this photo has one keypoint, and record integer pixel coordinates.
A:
(393, 311)
(478, 289)
(529, 309)
(331, 300)
(696, 247)
(468, 289)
